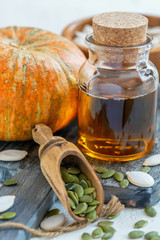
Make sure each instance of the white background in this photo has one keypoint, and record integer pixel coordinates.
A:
(54, 15)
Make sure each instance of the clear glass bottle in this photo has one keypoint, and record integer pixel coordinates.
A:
(117, 102)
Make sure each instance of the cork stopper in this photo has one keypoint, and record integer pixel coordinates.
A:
(119, 29)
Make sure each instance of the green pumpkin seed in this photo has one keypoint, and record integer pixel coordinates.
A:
(81, 177)
(90, 208)
(10, 182)
(79, 190)
(63, 170)
(73, 170)
(114, 216)
(80, 208)
(97, 233)
(82, 214)
(104, 223)
(150, 211)
(75, 179)
(124, 183)
(145, 169)
(140, 224)
(108, 228)
(150, 235)
(89, 183)
(89, 190)
(94, 202)
(52, 212)
(155, 238)
(73, 196)
(72, 203)
(67, 178)
(91, 216)
(84, 184)
(107, 235)
(93, 195)
(86, 199)
(136, 234)
(86, 236)
(108, 174)
(7, 215)
(101, 169)
(119, 176)
(70, 186)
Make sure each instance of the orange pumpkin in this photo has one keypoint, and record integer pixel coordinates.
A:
(38, 81)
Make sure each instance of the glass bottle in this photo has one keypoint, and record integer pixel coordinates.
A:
(117, 101)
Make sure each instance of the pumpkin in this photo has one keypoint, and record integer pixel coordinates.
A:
(38, 81)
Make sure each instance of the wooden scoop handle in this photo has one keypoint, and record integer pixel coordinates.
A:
(41, 133)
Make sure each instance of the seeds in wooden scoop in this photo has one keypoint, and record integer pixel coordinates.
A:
(150, 211)
(150, 235)
(84, 184)
(108, 174)
(6, 202)
(52, 212)
(73, 170)
(80, 208)
(94, 202)
(139, 178)
(7, 215)
(140, 224)
(136, 234)
(90, 208)
(97, 233)
(145, 169)
(53, 222)
(124, 183)
(101, 169)
(89, 183)
(12, 155)
(74, 197)
(119, 176)
(152, 161)
(86, 236)
(79, 190)
(81, 177)
(104, 223)
(89, 190)
(72, 203)
(67, 178)
(86, 199)
(10, 182)
(91, 216)
(70, 186)
(107, 235)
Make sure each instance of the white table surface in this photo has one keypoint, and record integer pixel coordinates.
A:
(54, 15)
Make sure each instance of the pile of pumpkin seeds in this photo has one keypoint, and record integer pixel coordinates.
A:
(81, 193)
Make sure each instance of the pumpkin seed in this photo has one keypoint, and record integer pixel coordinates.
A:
(145, 169)
(86, 236)
(94, 202)
(91, 216)
(12, 155)
(82, 214)
(150, 235)
(79, 190)
(63, 170)
(75, 179)
(156, 238)
(86, 199)
(7, 215)
(53, 222)
(6, 202)
(107, 228)
(104, 223)
(73, 170)
(118, 176)
(52, 212)
(81, 177)
(84, 184)
(70, 186)
(71, 202)
(97, 233)
(152, 161)
(89, 190)
(80, 208)
(101, 169)
(140, 224)
(139, 178)
(136, 234)
(124, 183)
(108, 174)
(114, 216)
(107, 235)
(90, 208)
(73, 196)
(89, 183)
(10, 182)
(150, 211)
(93, 195)
(67, 178)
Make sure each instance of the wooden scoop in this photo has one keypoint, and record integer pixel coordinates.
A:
(52, 152)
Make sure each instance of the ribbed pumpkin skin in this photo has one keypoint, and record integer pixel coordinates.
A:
(38, 81)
